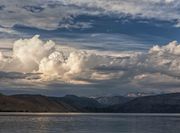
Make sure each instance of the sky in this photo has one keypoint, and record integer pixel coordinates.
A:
(89, 47)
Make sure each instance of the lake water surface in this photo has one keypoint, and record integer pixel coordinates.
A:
(88, 123)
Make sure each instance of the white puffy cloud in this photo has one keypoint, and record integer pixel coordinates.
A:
(31, 51)
(35, 56)
(45, 61)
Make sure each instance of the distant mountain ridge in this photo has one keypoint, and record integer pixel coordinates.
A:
(83, 103)
(164, 103)
(113, 100)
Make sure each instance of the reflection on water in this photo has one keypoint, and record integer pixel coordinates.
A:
(89, 123)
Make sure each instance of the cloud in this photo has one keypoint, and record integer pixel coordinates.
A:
(30, 52)
(35, 56)
(33, 9)
(48, 15)
(48, 63)
(18, 75)
(2, 7)
(7, 30)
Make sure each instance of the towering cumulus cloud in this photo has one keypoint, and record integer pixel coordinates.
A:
(30, 52)
(156, 68)
(35, 56)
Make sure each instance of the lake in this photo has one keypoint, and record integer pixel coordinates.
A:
(88, 123)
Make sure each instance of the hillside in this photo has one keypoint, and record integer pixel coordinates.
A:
(33, 103)
(165, 103)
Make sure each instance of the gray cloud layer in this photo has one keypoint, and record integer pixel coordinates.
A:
(45, 14)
